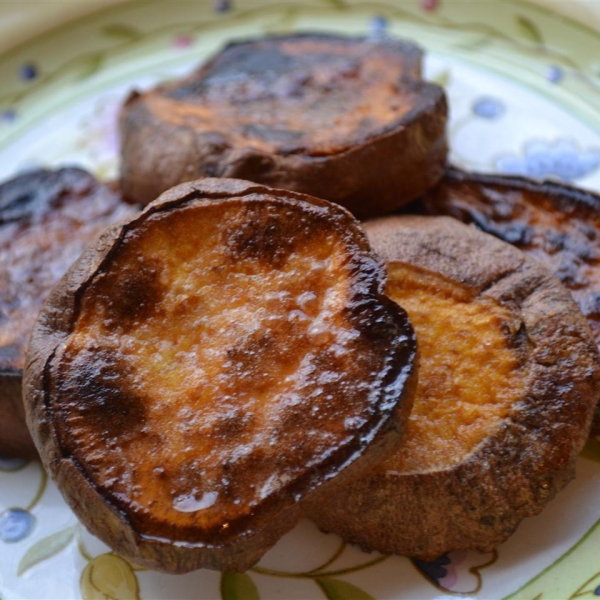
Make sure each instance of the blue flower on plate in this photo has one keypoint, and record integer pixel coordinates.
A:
(28, 71)
(562, 159)
(434, 570)
(488, 107)
(554, 74)
(597, 591)
(8, 116)
(378, 27)
(15, 524)
(12, 464)
(222, 6)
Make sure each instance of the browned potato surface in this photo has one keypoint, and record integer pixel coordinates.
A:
(508, 381)
(47, 218)
(556, 224)
(211, 363)
(345, 119)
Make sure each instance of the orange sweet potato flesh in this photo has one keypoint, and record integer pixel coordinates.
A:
(508, 381)
(558, 225)
(47, 218)
(318, 114)
(211, 363)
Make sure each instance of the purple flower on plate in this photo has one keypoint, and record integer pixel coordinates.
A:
(562, 159)
(28, 71)
(458, 572)
(435, 570)
(222, 5)
(8, 116)
(488, 107)
(182, 41)
(15, 524)
(554, 74)
(12, 464)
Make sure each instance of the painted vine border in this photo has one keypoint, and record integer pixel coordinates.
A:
(528, 39)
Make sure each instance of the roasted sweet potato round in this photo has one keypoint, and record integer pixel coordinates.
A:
(211, 363)
(47, 218)
(508, 381)
(558, 225)
(345, 119)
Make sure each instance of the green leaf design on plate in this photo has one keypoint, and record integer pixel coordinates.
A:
(238, 586)
(89, 65)
(473, 42)
(121, 32)
(591, 450)
(336, 589)
(46, 548)
(589, 588)
(109, 577)
(529, 30)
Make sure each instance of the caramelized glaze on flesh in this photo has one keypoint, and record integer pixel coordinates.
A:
(305, 94)
(219, 356)
(469, 376)
(47, 218)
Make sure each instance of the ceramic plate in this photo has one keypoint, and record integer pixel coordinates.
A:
(524, 91)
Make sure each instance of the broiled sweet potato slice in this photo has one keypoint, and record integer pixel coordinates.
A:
(558, 225)
(208, 365)
(508, 381)
(345, 119)
(47, 218)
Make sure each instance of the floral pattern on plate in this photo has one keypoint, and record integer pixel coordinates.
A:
(561, 159)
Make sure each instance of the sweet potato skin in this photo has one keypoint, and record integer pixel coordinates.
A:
(108, 520)
(47, 218)
(557, 224)
(15, 439)
(353, 168)
(514, 473)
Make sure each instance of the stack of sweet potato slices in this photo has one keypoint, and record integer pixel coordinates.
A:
(235, 357)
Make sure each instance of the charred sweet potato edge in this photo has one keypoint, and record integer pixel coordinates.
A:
(564, 196)
(55, 324)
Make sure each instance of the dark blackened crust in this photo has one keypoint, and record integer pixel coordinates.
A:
(514, 473)
(411, 54)
(158, 152)
(569, 245)
(103, 516)
(563, 196)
